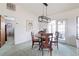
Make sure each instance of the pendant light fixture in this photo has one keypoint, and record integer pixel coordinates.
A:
(44, 17)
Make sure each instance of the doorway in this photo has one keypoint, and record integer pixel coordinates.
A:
(9, 29)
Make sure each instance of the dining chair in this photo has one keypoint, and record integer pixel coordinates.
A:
(34, 40)
(55, 41)
(47, 44)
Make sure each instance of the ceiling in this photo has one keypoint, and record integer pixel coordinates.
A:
(53, 8)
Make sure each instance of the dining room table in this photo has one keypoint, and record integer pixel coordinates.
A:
(41, 38)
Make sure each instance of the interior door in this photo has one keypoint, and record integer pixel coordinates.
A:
(2, 30)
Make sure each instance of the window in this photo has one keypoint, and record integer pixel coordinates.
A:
(77, 21)
(59, 26)
(61, 29)
(52, 27)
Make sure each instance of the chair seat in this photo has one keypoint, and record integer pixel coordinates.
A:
(36, 40)
(54, 41)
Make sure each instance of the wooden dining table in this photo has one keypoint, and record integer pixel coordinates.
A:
(41, 41)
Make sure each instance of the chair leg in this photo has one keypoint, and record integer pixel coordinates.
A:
(32, 44)
(42, 50)
(51, 53)
(57, 45)
(39, 46)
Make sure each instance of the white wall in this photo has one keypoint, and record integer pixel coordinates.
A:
(70, 29)
(20, 15)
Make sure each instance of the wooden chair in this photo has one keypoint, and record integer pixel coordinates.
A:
(55, 41)
(34, 40)
(46, 44)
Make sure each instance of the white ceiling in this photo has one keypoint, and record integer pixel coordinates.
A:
(53, 8)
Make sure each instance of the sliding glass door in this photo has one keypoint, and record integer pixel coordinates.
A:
(59, 26)
(61, 29)
(52, 27)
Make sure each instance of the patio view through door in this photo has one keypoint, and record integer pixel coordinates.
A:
(61, 29)
(59, 26)
(52, 27)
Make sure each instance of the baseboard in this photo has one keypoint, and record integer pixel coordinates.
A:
(22, 43)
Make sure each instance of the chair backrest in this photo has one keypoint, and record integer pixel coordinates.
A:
(56, 35)
(46, 42)
(50, 36)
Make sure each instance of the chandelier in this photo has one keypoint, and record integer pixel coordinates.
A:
(44, 18)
